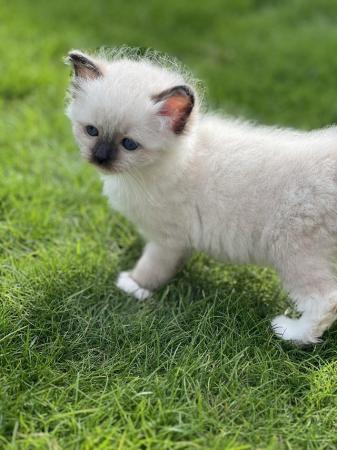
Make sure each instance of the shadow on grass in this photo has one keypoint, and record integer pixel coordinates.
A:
(210, 311)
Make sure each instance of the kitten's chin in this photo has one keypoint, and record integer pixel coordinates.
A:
(107, 169)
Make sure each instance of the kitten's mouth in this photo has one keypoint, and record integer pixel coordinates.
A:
(106, 167)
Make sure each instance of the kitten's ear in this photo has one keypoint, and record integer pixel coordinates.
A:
(176, 103)
(84, 66)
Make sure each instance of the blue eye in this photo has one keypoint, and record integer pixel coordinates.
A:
(129, 144)
(91, 130)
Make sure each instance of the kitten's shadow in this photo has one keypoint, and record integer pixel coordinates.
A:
(96, 321)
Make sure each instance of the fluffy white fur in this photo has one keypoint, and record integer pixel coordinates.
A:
(240, 192)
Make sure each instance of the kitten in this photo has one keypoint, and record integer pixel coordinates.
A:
(196, 181)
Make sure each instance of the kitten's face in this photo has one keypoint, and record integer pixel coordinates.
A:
(126, 114)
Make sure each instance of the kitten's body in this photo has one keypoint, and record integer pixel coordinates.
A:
(241, 193)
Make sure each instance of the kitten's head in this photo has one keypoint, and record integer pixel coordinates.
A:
(127, 111)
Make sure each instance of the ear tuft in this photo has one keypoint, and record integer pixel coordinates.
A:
(177, 104)
(83, 66)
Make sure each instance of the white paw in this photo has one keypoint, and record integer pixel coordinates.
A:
(130, 286)
(296, 330)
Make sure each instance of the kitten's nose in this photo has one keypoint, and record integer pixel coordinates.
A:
(104, 152)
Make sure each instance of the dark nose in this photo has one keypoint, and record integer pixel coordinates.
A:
(103, 152)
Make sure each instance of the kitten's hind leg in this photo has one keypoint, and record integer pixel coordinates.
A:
(309, 328)
(315, 295)
(154, 268)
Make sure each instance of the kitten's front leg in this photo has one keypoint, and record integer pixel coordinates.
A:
(155, 267)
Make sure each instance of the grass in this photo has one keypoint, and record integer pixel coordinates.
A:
(81, 365)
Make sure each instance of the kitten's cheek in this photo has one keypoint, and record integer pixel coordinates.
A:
(85, 153)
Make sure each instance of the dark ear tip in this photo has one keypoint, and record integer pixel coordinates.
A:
(71, 58)
(186, 89)
(83, 66)
(76, 57)
(189, 92)
(183, 90)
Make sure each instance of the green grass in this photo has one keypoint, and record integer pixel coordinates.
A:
(81, 365)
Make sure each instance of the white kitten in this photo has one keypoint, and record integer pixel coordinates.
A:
(195, 181)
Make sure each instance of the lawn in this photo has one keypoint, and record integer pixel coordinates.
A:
(82, 366)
